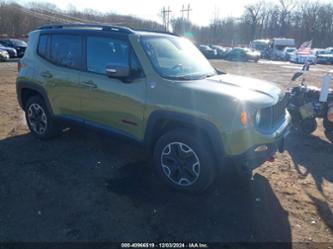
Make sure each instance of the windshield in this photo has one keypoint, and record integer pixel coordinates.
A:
(176, 58)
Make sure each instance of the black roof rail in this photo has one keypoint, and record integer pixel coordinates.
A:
(103, 27)
(156, 31)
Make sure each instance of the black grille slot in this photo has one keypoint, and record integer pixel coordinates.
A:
(273, 115)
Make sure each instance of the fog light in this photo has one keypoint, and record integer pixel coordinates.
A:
(261, 148)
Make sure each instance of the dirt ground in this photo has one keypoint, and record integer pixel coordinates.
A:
(85, 186)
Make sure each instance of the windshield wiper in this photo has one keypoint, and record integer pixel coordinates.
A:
(190, 76)
(208, 75)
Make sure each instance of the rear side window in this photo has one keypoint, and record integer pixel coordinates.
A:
(43, 47)
(66, 50)
(102, 51)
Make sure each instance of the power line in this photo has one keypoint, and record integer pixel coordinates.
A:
(48, 15)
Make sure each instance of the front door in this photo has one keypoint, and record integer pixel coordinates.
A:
(109, 102)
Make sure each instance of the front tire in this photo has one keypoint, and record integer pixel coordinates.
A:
(40, 122)
(184, 161)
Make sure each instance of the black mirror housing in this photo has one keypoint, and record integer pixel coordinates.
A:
(118, 71)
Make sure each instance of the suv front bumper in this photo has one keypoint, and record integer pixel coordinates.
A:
(257, 154)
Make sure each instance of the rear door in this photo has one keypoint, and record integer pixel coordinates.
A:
(110, 102)
(61, 61)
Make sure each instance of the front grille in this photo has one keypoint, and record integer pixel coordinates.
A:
(273, 115)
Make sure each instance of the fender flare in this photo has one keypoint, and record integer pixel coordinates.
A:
(22, 84)
(188, 120)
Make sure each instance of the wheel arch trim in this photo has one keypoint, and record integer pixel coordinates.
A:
(199, 123)
(23, 84)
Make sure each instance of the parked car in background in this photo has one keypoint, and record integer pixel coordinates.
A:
(288, 51)
(318, 51)
(220, 51)
(329, 50)
(242, 54)
(11, 51)
(19, 45)
(325, 59)
(300, 58)
(4, 56)
(208, 52)
(324, 56)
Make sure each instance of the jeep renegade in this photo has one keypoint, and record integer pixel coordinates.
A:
(154, 88)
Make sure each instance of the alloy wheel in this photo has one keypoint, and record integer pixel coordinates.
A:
(180, 164)
(37, 118)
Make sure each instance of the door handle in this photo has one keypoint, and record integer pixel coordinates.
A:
(46, 74)
(89, 83)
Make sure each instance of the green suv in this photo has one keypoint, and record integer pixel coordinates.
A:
(153, 88)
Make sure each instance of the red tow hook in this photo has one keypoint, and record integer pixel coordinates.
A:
(271, 159)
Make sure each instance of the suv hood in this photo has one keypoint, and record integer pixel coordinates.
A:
(260, 93)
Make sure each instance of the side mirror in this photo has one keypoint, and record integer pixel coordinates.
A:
(119, 71)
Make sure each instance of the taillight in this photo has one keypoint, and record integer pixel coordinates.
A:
(330, 112)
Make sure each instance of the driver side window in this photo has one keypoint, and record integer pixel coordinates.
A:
(102, 51)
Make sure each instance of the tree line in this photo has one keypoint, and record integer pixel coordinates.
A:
(17, 20)
(302, 20)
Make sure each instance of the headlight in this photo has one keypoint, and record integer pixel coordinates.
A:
(258, 117)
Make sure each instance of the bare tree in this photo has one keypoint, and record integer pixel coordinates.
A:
(252, 15)
(286, 7)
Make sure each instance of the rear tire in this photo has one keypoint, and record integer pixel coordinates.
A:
(40, 122)
(184, 160)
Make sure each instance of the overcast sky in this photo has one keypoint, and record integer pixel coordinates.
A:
(201, 14)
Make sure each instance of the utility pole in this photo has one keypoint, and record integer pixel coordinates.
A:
(166, 18)
(163, 17)
(188, 10)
